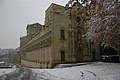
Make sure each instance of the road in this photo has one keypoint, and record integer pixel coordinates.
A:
(20, 73)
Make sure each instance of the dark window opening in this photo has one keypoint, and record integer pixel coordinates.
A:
(78, 37)
(62, 34)
(77, 19)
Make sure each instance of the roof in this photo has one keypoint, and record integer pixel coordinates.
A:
(33, 25)
(55, 5)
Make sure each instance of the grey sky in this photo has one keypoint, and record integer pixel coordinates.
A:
(16, 14)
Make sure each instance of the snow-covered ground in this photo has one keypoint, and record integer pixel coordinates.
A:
(5, 68)
(95, 71)
(6, 71)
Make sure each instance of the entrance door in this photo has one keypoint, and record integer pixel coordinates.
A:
(62, 56)
(79, 56)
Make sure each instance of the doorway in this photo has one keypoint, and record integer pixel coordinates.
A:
(62, 55)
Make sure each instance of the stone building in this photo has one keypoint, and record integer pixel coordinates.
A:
(46, 45)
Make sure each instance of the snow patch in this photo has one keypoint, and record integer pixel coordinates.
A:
(6, 71)
(95, 71)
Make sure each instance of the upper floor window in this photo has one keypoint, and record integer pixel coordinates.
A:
(78, 19)
(62, 34)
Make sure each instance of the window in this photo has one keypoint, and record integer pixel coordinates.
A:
(62, 34)
(78, 37)
(62, 56)
(77, 19)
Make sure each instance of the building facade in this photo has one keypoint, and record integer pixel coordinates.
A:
(46, 45)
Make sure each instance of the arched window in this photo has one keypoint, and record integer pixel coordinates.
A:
(62, 34)
(78, 37)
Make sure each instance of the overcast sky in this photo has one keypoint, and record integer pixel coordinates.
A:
(16, 14)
